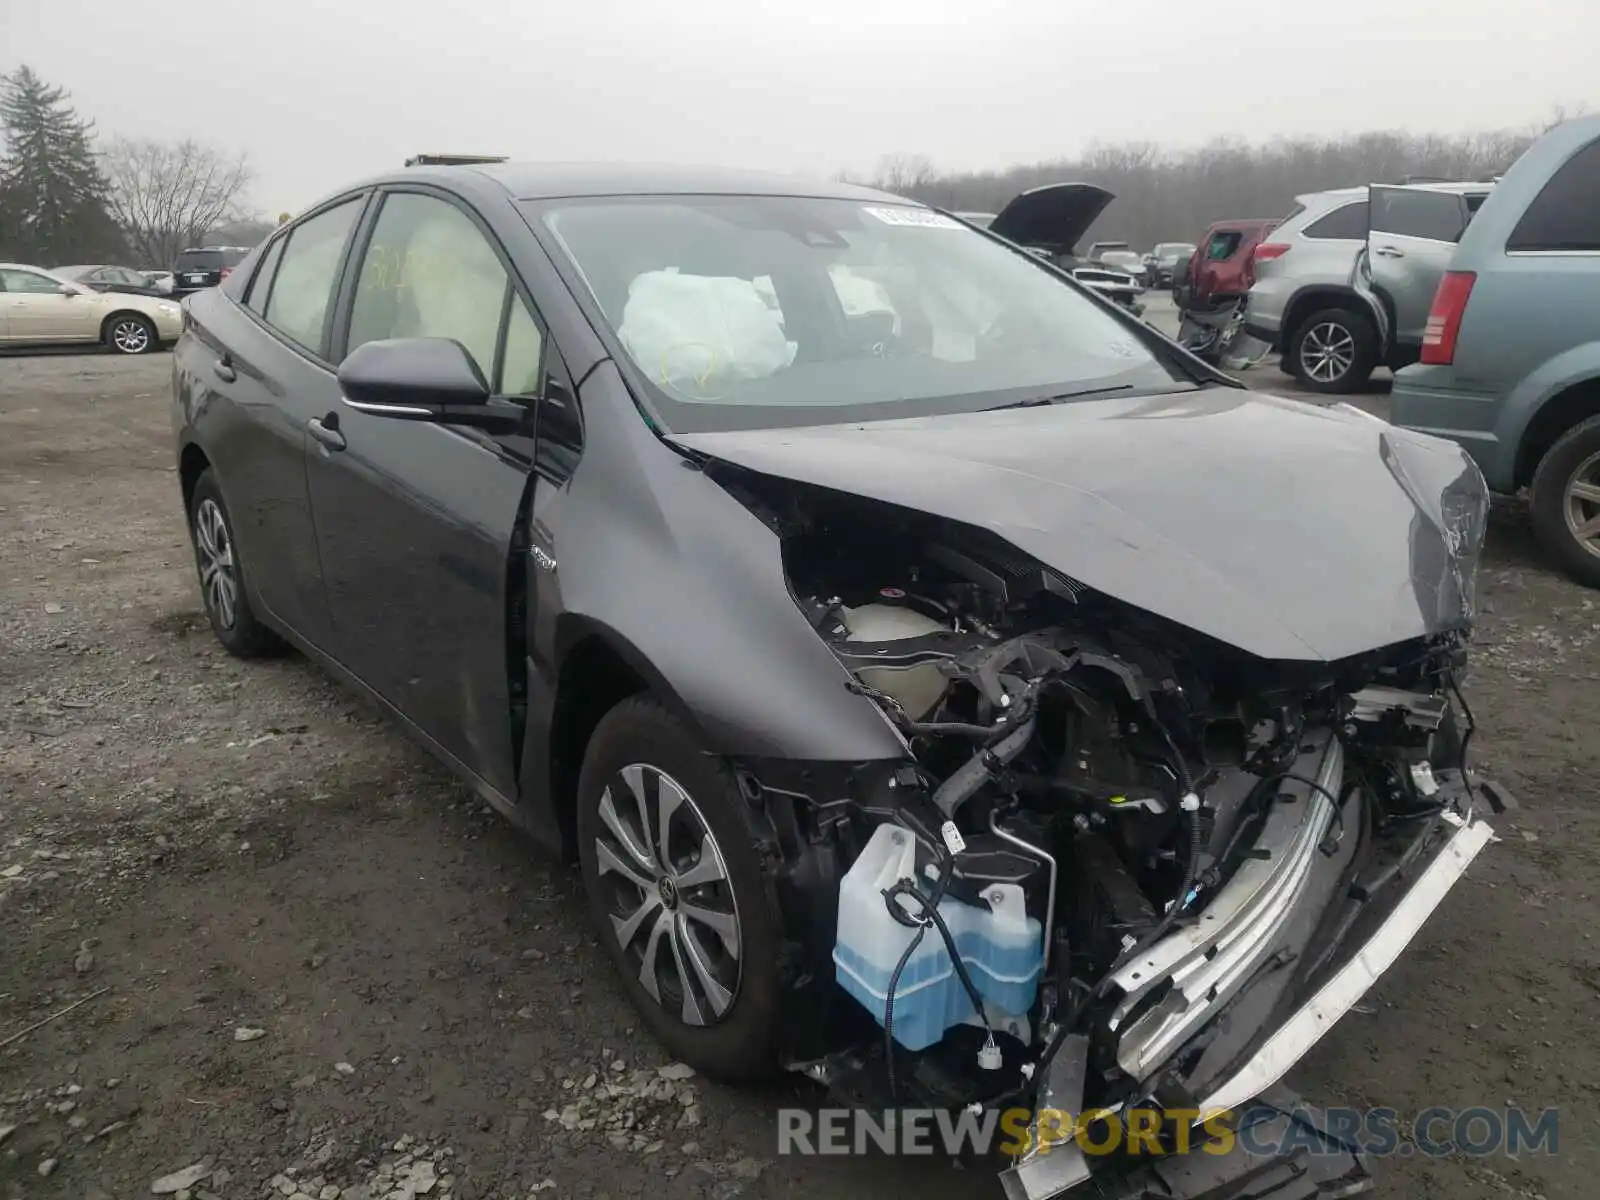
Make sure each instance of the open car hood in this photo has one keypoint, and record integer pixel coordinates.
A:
(1054, 214)
(1285, 530)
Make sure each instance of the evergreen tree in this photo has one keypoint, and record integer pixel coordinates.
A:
(52, 191)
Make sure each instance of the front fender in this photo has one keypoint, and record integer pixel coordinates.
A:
(689, 586)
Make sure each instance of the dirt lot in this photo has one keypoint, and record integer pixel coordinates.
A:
(197, 847)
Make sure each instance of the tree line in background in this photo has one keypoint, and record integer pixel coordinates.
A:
(66, 197)
(1166, 195)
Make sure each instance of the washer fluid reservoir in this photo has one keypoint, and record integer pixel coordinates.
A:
(1001, 946)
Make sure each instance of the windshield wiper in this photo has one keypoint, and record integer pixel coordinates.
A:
(1040, 401)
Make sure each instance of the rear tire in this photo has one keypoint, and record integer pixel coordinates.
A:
(129, 333)
(689, 925)
(1564, 496)
(1333, 352)
(222, 583)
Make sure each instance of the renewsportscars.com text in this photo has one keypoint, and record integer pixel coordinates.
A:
(1379, 1132)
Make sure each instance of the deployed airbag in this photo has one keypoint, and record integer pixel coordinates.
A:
(690, 332)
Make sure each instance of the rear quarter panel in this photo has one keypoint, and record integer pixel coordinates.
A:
(1530, 330)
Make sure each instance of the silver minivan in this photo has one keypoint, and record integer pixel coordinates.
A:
(1343, 285)
(1510, 358)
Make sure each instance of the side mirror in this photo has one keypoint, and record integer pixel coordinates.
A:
(67, 289)
(426, 379)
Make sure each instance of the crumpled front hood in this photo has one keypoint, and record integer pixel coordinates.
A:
(1286, 530)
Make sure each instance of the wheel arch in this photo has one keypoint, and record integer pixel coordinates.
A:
(598, 669)
(192, 463)
(1570, 406)
(1317, 296)
(116, 314)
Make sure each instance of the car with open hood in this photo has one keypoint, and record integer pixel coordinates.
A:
(1051, 220)
(947, 687)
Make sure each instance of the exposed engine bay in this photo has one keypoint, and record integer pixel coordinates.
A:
(1116, 830)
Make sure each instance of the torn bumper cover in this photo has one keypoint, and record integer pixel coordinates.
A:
(1061, 1167)
(1321, 1165)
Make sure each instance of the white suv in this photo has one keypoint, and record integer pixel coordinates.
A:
(1339, 293)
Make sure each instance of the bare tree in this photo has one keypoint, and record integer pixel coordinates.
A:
(166, 195)
(904, 174)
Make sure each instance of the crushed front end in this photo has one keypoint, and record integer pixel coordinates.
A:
(1124, 866)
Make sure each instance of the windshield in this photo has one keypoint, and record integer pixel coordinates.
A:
(761, 311)
(1174, 250)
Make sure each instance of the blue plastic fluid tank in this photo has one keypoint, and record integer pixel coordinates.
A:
(1002, 947)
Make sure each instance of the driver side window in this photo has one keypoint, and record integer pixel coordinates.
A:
(28, 283)
(428, 271)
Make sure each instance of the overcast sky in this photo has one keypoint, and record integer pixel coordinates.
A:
(318, 92)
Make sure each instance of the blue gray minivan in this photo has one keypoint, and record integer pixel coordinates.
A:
(1510, 363)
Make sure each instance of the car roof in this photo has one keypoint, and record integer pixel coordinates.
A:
(5, 266)
(1465, 188)
(550, 181)
(1244, 224)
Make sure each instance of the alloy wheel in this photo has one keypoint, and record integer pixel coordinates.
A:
(1327, 352)
(1581, 505)
(130, 336)
(218, 580)
(671, 903)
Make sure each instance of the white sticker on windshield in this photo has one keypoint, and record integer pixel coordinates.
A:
(921, 218)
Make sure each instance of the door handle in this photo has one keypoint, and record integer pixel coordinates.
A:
(224, 371)
(327, 435)
(1389, 252)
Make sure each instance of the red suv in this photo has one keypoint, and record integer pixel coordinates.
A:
(1221, 269)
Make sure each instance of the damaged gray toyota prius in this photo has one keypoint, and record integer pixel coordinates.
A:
(949, 688)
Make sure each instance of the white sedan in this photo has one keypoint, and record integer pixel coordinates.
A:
(40, 308)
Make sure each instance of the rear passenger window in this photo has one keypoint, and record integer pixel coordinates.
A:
(302, 288)
(261, 281)
(1349, 222)
(1221, 247)
(1436, 216)
(1565, 215)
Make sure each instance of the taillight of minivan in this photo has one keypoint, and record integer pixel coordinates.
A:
(1267, 251)
(1439, 335)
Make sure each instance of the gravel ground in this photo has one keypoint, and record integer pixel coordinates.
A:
(307, 964)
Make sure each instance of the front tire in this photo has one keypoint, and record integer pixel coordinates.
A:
(676, 888)
(1333, 352)
(222, 588)
(129, 333)
(1564, 502)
